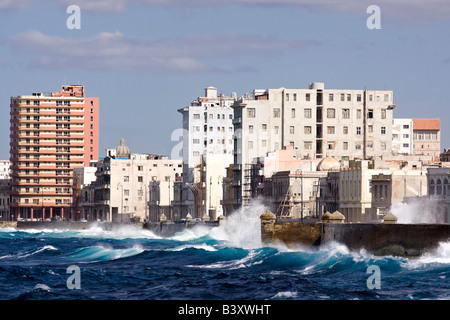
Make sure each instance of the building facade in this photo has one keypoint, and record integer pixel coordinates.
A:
(130, 186)
(427, 137)
(50, 135)
(402, 136)
(207, 131)
(345, 124)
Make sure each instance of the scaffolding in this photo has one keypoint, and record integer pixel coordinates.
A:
(285, 208)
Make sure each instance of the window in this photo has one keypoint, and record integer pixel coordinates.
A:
(345, 130)
(358, 130)
(406, 145)
(295, 96)
(292, 113)
(345, 113)
(275, 129)
(291, 129)
(140, 179)
(386, 97)
(406, 136)
(308, 113)
(383, 130)
(342, 97)
(383, 113)
(264, 127)
(349, 97)
(370, 114)
(196, 141)
(406, 126)
(251, 112)
(308, 97)
(330, 146)
(330, 130)
(250, 129)
(276, 112)
(330, 97)
(126, 178)
(358, 97)
(358, 147)
(287, 96)
(196, 116)
(308, 145)
(195, 153)
(358, 114)
(383, 145)
(140, 168)
(307, 130)
(370, 128)
(264, 143)
(196, 129)
(331, 113)
(345, 146)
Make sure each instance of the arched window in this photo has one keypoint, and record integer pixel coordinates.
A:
(438, 187)
(432, 188)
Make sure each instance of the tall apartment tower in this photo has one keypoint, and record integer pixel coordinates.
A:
(317, 123)
(50, 134)
(207, 131)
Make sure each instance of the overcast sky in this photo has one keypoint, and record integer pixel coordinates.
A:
(145, 59)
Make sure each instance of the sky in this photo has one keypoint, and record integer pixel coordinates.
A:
(145, 59)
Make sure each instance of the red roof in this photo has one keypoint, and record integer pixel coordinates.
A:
(426, 124)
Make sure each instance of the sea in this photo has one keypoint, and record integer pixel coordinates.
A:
(228, 262)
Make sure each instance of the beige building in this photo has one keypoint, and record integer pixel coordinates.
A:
(427, 137)
(316, 122)
(361, 185)
(123, 184)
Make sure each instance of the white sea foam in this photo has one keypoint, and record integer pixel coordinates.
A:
(417, 211)
(202, 246)
(285, 295)
(440, 255)
(242, 228)
(43, 287)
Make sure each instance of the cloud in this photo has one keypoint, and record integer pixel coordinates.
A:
(114, 51)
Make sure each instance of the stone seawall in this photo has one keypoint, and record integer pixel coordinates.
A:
(169, 228)
(408, 240)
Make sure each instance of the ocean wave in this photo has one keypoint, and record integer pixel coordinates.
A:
(37, 251)
(101, 253)
(254, 257)
(202, 246)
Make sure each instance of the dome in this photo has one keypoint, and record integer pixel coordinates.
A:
(328, 164)
(122, 151)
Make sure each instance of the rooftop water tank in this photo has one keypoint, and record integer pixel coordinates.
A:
(317, 85)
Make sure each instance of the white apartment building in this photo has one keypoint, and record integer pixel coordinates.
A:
(4, 169)
(316, 122)
(207, 130)
(402, 136)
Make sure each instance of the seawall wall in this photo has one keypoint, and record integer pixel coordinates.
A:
(408, 240)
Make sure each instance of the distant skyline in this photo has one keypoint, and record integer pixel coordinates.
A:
(145, 59)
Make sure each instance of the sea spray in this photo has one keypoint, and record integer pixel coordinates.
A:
(418, 210)
(242, 228)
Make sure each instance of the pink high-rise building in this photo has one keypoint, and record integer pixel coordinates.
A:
(50, 134)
